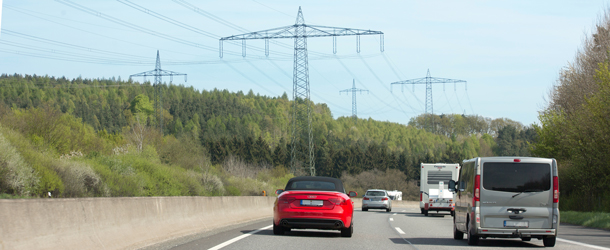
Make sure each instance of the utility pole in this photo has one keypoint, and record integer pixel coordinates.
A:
(302, 148)
(428, 80)
(158, 73)
(353, 90)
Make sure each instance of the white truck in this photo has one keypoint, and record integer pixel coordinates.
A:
(395, 195)
(433, 186)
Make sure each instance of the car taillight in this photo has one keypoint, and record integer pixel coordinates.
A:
(555, 189)
(365, 198)
(337, 201)
(384, 199)
(430, 200)
(477, 189)
(286, 200)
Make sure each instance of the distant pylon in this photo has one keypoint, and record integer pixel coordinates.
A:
(302, 149)
(158, 73)
(353, 90)
(428, 80)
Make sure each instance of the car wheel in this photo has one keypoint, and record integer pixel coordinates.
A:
(473, 240)
(549, 241)
(347, 232)
(426, 212)
(388, 210)
(457, 235)
(526, 238)
(278, 230)
(365, 209)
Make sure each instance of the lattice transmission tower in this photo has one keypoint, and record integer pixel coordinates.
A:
(354, 90)
(158, 73)
(302, 145)
(428, 80)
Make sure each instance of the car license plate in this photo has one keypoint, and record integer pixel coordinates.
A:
(317, 203)
(512, 223)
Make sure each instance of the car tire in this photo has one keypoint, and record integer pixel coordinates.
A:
(457, 235)
(426, 212)
(549, 241)
(278, 230)
(388, 210)
(347, 232)
(526, 238)
(365, 209)
(473, 240)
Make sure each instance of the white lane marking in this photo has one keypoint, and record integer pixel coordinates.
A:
(403, 211)
(399, 230)
(583, 244)
(391, 219)
(228, 242)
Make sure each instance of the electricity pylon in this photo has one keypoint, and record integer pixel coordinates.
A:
(353, 90)
(301, 112)
(428, 80)
(158, 73)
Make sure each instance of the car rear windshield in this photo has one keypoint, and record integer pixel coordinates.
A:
(312, 185)
(517, 177)
(375, 193)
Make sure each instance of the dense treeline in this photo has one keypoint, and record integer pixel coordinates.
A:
(209, 137)
(575, 126)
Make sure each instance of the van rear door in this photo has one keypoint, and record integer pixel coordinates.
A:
(516, 194)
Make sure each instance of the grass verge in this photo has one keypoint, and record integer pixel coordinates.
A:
(587, 219)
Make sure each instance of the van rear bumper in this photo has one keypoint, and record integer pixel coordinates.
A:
(515, 232)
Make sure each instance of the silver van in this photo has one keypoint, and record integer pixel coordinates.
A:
(507, 197)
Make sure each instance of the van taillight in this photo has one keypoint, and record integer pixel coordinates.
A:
(420, 196)
(477, 189)
(555, 189)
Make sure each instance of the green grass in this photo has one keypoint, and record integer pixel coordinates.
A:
(587, 219)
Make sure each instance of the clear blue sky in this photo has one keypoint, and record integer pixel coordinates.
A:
(509, 52)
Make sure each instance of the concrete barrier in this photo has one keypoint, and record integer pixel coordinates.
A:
(401, 204)
(119, 223)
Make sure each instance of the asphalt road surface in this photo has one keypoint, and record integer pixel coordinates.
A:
(403, 228)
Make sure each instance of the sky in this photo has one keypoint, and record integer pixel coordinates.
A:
(509, 53)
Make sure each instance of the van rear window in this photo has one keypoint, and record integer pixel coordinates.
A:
(516, 177)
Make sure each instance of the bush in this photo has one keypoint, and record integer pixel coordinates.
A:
(18, 177)
(80, 180)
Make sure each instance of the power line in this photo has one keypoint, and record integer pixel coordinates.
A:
(133, 26)
(353, 91)
(301, 119)
(158, 73)
(428, 80)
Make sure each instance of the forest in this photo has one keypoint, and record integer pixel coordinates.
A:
(100, 137)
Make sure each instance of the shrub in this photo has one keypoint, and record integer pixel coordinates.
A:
(18, 177)
(80, 180)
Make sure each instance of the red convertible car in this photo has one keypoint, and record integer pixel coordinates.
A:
(314, 202)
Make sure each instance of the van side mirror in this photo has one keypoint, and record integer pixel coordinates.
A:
(452, 185)
(279, 191)
(353, 194)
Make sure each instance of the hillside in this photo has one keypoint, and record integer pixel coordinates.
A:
(98, 137)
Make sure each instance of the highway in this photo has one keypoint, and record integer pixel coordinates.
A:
(403, 228)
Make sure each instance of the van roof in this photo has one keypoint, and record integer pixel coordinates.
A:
(510, 158)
